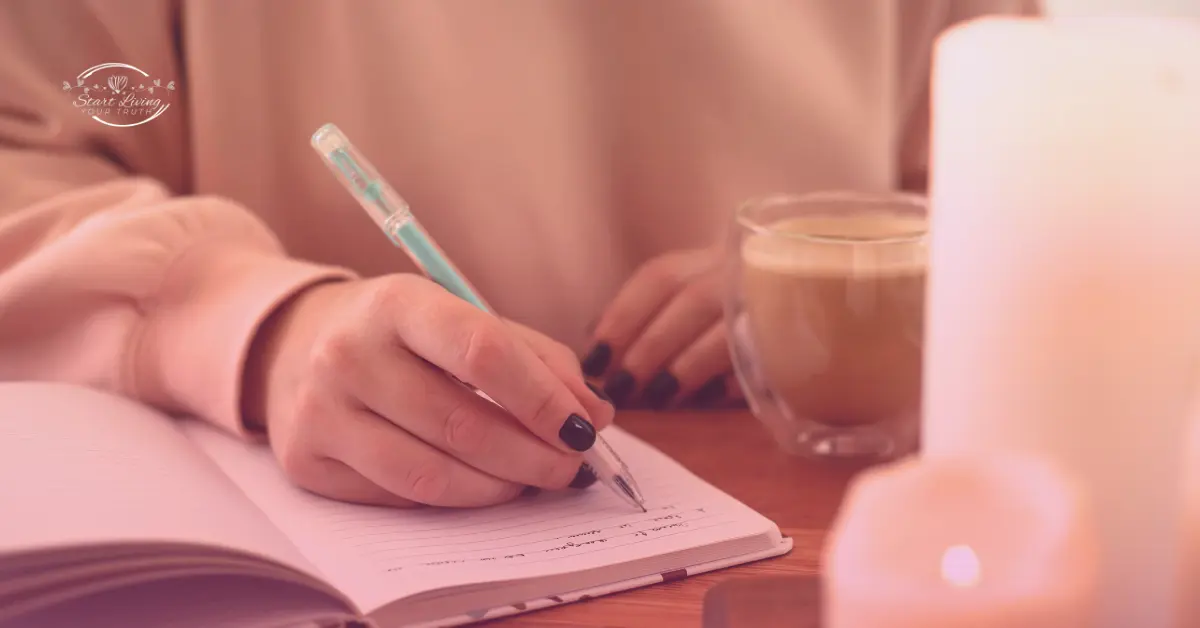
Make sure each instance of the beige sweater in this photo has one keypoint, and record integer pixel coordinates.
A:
(550, 146)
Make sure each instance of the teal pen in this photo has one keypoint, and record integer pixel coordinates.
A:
(394, 217)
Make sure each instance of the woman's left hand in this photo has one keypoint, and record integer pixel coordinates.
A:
(661, 342)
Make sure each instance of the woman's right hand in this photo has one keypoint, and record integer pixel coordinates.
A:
(349, 380)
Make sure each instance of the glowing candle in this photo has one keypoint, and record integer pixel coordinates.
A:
(1063, 306)
(994, 542)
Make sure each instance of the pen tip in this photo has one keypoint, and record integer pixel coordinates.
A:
(631, 495)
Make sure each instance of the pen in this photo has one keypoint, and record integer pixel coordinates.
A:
(394, 217)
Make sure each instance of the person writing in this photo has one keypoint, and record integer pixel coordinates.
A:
(577, 160)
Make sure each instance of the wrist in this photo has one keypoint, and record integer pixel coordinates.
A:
(276, 357)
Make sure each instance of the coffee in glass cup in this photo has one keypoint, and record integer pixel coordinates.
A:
(825, 304)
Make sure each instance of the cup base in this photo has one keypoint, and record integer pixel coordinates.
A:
(870, 443)
(843, 443)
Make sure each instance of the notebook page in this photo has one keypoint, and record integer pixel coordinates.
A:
(82, 468)
(378, 555)
(193, 602)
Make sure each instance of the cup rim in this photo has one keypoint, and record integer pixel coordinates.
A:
(890, 198)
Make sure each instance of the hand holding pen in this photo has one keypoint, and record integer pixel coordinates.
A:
(350, 380)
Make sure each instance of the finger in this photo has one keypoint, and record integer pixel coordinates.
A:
(445, 414)
(401, 464)
(702, 370)
(477, 348)
(333, 479)
(562, 361)
(635, 305)
(713, 394)
(733, 389)
(719, 393)
(684, 319)
(302, 453)
(735, 396)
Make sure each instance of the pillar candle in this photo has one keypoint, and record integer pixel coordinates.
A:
(1189, 584)
(1063, 305)
(1171, 8)
(996, 541)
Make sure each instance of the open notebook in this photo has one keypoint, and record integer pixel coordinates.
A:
(111, 514)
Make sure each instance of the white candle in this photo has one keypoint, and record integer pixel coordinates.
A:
(991, 542)
(1171, 8)
(1189, 584)
(1064, 292)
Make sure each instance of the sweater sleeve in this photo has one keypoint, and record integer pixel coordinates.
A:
(921, 23)
(111, 276)
(122, 287)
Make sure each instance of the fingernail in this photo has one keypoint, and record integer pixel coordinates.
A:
(711, 392)
(585, 478)
(660, 390)
(619, 386)
(597, 360)
(577, 433)
(530, 491)
(599, 393)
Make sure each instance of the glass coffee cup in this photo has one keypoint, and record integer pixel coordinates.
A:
(825, 307)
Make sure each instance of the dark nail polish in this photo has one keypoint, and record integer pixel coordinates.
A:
(577, 433)
(585, 478)
(599, 393)
(597, 360)
(661, 390)
(711, 392)
(530, 491)
(619, 386)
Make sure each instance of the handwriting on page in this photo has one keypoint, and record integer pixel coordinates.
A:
(354, 545)
(660, 522)
(526, 532)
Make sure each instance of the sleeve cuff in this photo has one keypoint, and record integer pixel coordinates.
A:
(199, 341)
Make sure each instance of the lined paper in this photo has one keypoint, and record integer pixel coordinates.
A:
(377, 555)
(535, 531)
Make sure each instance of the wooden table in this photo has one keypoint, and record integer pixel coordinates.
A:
(731, 451)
